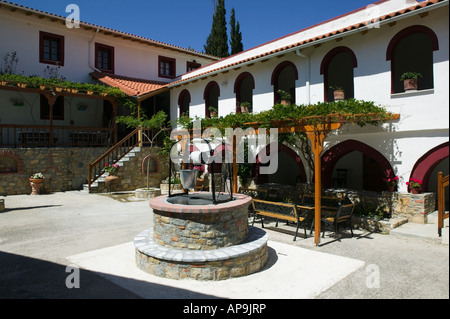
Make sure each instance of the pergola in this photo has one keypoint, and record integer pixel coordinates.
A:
(316, 134)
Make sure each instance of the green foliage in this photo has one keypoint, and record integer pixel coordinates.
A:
(284, 95)
(410, 76)
(235, 34)
(35, 81)
(217, 41)
(369, 210)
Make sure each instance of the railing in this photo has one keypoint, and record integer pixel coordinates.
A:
(117, 152)
(14, 135)
(442, 184)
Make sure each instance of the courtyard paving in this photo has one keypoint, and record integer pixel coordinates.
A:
(41, 235)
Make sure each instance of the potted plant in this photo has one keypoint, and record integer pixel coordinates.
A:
(111, 179)
(391, 183)
(213, 111)
(245, 107)
(285, 97)
(410, 80)
(414, 185)
(36, 181)
(338, 92)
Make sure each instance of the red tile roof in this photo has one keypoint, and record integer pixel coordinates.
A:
(342, 31)
(129, 86)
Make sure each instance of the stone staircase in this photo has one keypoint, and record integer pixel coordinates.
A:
(99, 185)
(425, 232)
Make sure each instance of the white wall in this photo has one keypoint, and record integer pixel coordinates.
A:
(424, 116)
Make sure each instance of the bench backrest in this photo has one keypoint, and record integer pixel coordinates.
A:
(345, 212)
(275, 208)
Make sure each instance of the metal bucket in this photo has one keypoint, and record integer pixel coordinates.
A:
(188, 178)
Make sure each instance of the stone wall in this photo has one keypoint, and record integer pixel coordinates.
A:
(66, 169)
(415, 207)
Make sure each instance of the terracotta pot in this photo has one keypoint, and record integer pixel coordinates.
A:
(391, 188)
(410, 84)
(36, 185)
(339, 95)
(415, 190)
(285, 102)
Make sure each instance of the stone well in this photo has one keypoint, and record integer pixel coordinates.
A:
(201, 241)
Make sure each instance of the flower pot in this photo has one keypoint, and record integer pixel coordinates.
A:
(285, 102)
(415, 190)
(339, 95)
(410, 84)
(391, 188)
(111, 181)
(244, 109)
(36, 185)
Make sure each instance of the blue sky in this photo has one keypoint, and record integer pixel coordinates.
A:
(188, 23)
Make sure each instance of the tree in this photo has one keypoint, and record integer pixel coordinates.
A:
(235, 35)
(217, 41)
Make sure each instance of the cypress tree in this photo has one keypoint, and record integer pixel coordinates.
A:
(235, 35)
(217, 41)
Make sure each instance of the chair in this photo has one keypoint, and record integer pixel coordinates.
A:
(341, 180)
(342, 216)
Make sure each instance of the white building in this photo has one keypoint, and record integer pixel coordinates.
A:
(45, 46)
(365, 51)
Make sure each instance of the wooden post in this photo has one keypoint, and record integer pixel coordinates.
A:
(115, 113)
(317, 135)
(140, 143)
(51, 99)
(235, 166)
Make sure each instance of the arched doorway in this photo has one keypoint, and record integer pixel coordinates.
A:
(337, 68)
(283, 78)
(425, 166)
(290, 168)
(243, 88)
(364, 165)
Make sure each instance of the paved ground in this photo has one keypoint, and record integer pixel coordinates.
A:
(41, 235)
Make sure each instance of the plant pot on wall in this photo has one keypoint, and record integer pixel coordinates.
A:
(339, 95)
(111, 182)
(410, 84)
(36, 185)
(415, 190)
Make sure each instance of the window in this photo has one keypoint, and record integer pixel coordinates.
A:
(166, 67)
(191, 66)
(211, 96)
(411, 50)
(338, 70)
(104, 57)
(58, 108)
(51, 48)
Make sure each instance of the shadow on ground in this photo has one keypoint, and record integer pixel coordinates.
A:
(29, 278)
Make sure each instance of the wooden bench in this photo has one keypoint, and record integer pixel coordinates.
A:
(284, 211)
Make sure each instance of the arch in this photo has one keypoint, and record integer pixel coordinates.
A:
(332, 156)
(411, 50)
(181, 100)
(238, 89)
(276, 75)
(207, 96)
(11, 163)
(408, 31)
(424, 166)
(288, 151)
(325, 66)
(154, 160)
(330, 55)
